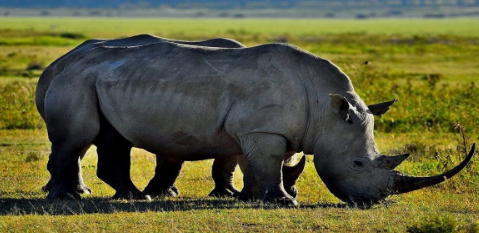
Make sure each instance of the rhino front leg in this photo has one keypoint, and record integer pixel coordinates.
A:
(290, 173)
(251, 190)
(222, 172)
(265, 154)
(163, 183)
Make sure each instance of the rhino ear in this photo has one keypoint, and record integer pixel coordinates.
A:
(381, 108)
(341, 106)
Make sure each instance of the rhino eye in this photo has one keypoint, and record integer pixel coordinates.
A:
(358, 163)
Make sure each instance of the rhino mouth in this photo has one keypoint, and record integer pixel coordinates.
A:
(362, 199)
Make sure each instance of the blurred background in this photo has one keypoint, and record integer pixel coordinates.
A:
(359, 9)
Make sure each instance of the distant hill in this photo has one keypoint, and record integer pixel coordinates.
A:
(232, 4)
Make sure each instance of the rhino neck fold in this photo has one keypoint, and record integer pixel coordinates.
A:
(320, 78)
(307, 144)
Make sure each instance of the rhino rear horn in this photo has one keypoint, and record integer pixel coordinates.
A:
(391, 162)
(291, 174)
(381, 108)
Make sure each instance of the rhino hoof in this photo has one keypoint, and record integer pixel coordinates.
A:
(246, 197)
(280, 198)
(172, 191)
(284, 202)
(83, 190)
(131, 195)
(224, 193)
(292, 191)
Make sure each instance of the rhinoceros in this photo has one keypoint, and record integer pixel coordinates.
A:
(189, 103)
(167, 170)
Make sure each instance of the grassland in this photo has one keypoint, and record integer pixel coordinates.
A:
(430, 65)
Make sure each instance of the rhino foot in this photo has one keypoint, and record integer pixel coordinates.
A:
(283, 201)
(293, 191)
(131, 195)
(80, 188)
(83, 189)
(224, 192)
(63, 195)
(171, 191)
(279, 198)
(246, 196)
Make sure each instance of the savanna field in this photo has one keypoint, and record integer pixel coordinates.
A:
(430, 65)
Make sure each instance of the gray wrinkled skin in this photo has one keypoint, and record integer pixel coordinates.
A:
(216, 103)
(112, 145)
(114, 150)
(188, 103)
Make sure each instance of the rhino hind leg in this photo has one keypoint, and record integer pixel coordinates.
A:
(66, 181)
(265, 153)
(80, 185)
(114, 163)
(163, 183)
(71, 131)
(222, 172)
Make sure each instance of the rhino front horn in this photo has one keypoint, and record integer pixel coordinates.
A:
(403, 183)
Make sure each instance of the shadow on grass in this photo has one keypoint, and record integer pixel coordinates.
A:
(40, 206)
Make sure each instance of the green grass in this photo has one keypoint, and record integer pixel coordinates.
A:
(431, 66)
(24, 153)
(109, 27)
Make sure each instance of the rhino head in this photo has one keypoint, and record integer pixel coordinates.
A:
(350, 164)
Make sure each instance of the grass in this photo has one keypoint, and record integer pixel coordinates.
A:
(109, 27)
(431, 66)
(24, 206)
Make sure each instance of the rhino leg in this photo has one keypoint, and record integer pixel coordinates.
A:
(114, 162)
(80, 185)
(72, 122)
(163, 183)
(222, 172)
(64, 171)
(265, 154)
(292, 172)
(251, 188)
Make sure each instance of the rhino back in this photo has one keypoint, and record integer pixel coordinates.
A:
(166, 96)
(59, 65)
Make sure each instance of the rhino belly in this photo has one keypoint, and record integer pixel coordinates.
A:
(170, 118)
